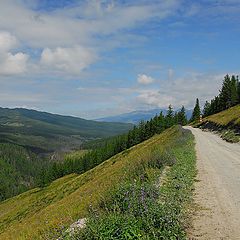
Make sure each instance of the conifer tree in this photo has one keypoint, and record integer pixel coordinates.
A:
(238, 89)
(169, 116)
(175, 118)
(196, 112)
(207, 109)
(182, 119)
(160, 123)
(225, 94)
(234, 91)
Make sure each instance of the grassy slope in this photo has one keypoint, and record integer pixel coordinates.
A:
(39, 212)
(224, 118)
(50, 131)
(227, 123)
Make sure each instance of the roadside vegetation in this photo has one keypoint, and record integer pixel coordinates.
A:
(148, 205)
(227, 123)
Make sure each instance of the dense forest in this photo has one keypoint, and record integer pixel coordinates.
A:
(19, 170)
(107, 148)
(229, 96)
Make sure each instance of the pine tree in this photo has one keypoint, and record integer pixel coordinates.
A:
(175, 118)
(169, 117)
(238, 89)
(142, 129)
(234, 91)
(225, 94)
(207, 109)
(182, 119)
(196, 112)
(160, 123)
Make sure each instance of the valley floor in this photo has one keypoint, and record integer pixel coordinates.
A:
(217, 189)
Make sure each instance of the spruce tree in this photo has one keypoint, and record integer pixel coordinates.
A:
(234, 91)
(207, 109)
(169, 116)
(161, 123)
(225, 94)
(175, 118)
(238, 89)
(182, 119)
(196, 112)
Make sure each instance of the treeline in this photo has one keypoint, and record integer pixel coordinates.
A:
(229, 96)
(19, 170)
(112, 146)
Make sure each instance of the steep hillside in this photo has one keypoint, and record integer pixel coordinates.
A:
(229, 117)
(46, 213)
(226, 122)
(41, 131)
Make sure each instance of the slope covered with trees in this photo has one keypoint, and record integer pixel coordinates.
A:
(45, 132)
(19, 170)
(222, 113)
(110, 147)
(229, 96)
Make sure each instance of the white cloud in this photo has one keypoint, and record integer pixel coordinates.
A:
(98, 25)
(144, 79)
(7, 41)
(78, 24)
(11, 64)
(155, 98)
(70, 60)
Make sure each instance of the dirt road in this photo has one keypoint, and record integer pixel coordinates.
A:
(218, 188)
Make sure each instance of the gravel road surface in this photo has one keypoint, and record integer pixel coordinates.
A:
(217, 189)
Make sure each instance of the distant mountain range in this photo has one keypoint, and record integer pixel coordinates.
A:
(42, 131)
(136, 116)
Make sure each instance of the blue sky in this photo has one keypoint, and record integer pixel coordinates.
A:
(98, 58)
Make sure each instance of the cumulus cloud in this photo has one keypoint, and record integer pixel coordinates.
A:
(7, 41)
(10, 63)
(144, 79)
(13, 63)
(70, 60)
(98, 25)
